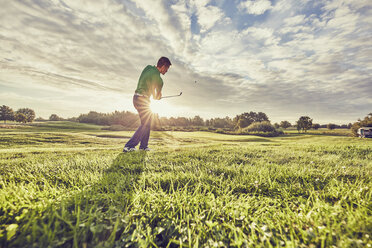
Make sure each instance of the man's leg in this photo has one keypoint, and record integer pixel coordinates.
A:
(137, 136)
(142, 106)
(145, 137)
(146, 122)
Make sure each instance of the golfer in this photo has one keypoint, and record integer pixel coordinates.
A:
(149, 84)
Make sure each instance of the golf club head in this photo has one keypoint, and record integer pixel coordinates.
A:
(181, 93)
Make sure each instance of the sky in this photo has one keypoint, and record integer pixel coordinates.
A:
(286, 58)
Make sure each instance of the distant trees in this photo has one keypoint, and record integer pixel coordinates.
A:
(6, 114)
(285, 124)
(183, 122)
(331, 126)
(226, 122)
(124, 118)
(316, 126)
(240, 121)
(54, 117)
(40, 119)
(245, 119)
(29, 114)
(22, 115)
(131, 120)
(197, 121)
(304, 123)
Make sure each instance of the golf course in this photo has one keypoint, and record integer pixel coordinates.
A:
(65, 184)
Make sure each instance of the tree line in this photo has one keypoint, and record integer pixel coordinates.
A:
(131, 120)
(241, 121)
(305, 123)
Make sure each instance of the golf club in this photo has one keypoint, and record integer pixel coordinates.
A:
(171, 96)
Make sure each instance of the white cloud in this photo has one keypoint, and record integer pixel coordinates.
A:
(255, 7)
(101, 48)
(294, 20)
(208, 16)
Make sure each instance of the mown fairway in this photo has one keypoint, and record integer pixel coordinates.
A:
(69, 185)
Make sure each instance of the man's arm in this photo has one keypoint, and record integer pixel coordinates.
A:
(157, 89)
(157, 95)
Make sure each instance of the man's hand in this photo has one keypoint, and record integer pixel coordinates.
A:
(158, 95)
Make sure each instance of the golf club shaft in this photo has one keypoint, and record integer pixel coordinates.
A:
(172, 96)
(169, 96)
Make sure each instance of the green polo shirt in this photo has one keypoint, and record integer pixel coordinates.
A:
(149, 79)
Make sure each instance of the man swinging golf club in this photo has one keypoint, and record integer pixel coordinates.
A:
(149, 83)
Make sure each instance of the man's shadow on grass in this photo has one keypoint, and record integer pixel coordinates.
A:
(112, 197)
(94, 216)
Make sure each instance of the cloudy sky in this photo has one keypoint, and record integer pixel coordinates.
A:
(286, 58)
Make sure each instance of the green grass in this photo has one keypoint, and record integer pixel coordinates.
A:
(322, 131)
(69, 185)
(51, 126)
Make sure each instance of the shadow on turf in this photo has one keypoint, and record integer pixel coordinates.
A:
(90, 217)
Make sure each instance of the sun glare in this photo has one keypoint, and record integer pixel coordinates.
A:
(163, 108)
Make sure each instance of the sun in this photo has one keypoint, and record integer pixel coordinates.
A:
(163, 108)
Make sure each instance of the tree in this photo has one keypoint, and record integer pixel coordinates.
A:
(197, 121)
(276, 125)
(304, 123)
(285, 124)
(72, 119)
(6, 113)
(366, 122)
(40, 119)
(20, 117)
(155, 122)
(246, 119)
(29, 113)
(221, 122)
(316, 126)
(242, 123)
(298, 128)
(229, 123)
(54, 117)
(331, 126)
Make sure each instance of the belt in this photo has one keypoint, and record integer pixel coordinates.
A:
(136, 94)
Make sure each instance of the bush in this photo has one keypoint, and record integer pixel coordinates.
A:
(40, 119)
(220, 130)
(264, 126)
(54, 117)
